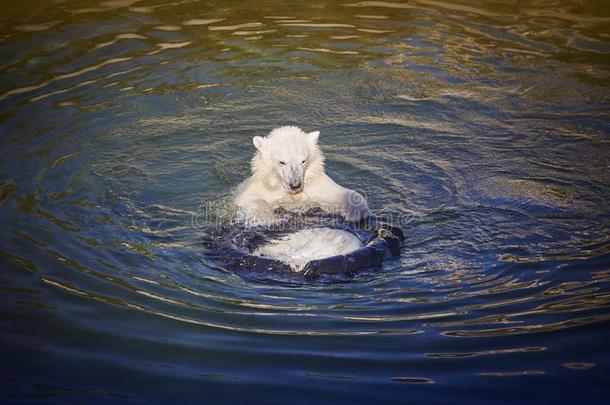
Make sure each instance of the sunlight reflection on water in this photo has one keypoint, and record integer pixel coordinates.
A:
(481, 127)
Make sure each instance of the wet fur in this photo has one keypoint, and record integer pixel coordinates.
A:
(266, 189)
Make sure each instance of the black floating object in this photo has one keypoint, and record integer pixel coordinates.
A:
(231, 251)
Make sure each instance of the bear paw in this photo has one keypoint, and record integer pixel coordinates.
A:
(356, 207)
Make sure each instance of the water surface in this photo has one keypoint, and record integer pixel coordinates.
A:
(482, 126)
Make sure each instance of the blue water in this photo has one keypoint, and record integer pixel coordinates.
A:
(481, 127)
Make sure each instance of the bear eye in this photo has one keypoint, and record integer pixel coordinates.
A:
(282, 163)
(303, 162)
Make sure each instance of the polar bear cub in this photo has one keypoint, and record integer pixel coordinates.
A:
(288, 172)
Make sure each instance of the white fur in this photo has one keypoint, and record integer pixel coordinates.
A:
(269, 186)
(299, 248)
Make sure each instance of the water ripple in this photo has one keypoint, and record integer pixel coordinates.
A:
(479, 129)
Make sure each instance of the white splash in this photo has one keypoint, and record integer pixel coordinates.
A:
(296, 249)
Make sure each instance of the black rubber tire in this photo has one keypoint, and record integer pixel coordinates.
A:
(384, 244)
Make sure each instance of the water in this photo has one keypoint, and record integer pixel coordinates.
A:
(481, 125)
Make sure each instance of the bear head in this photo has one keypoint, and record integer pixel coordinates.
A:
(287, 157)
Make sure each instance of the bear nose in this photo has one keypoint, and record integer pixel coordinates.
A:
(295, 186)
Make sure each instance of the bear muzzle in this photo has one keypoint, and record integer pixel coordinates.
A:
(295, 188)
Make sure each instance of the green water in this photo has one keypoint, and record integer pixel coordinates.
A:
(481, 125)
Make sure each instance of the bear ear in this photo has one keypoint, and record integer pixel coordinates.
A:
(258, 142)
(313, 137)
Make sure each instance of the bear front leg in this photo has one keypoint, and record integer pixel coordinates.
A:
(257, 212)
(331, 196)
(355, 206)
